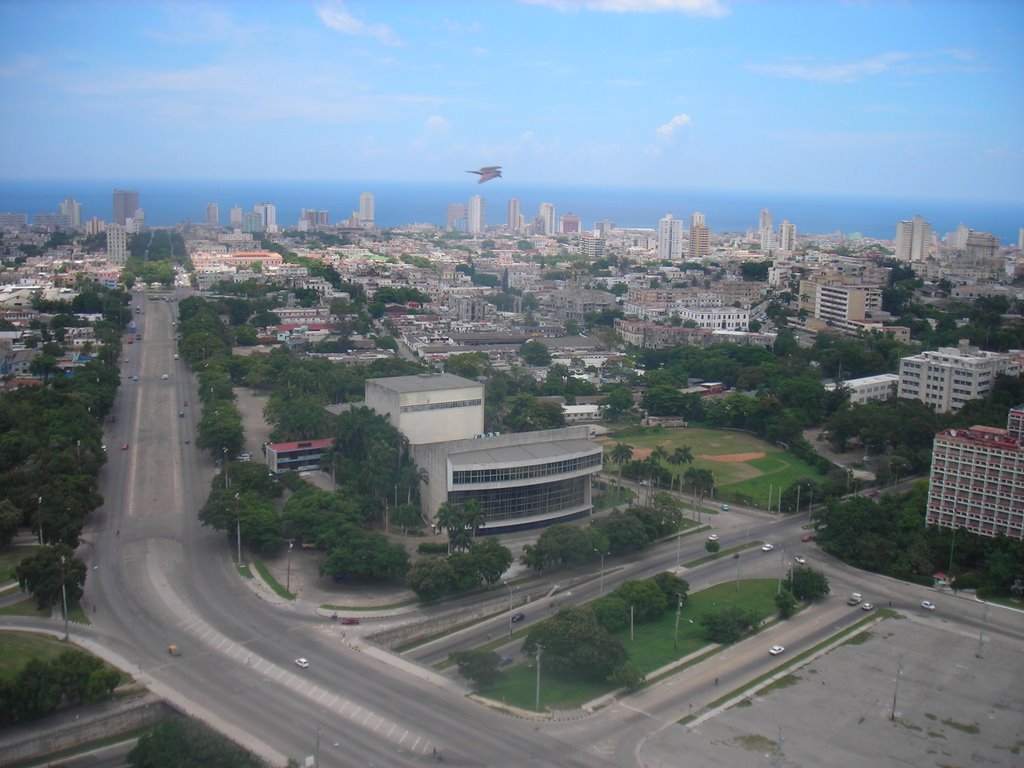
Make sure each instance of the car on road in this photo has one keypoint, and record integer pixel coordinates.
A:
(928, 605)
(173, 650)
(867, 606)
(517, 617)
(800, 559)
(775, 650)
(163, 376)
(807, 537)
(135, 378)
(302, 663)
(713, 537)
(104, 447)
(725, 507)
(505, 661)
(767, 547)
(181, 413)
(349, 621)
(124, 447)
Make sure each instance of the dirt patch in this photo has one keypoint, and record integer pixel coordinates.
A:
(734, 458)
(639, 454)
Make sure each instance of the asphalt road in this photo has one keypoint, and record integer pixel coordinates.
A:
(157, 577)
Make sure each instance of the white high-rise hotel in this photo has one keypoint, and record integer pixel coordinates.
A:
(670, 238)
(477, 215)
(913, 240)
(515, 216)
(366, 209)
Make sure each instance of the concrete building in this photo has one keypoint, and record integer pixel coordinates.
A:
(839, 299)
(73, 210)
(913, 240)
(515, 215)
(117, 243)
(947, 378)
(367, 210)
(522, 480)
(547, 217)
(591, 246)
(870, 389)
(126, 202)
(569, 224)
(670, 238)
(476, 215)
(787, 237)
(267, 213)
(457, 218)
(699, 244)
(977, 479)
(236, 217)
(716, 318)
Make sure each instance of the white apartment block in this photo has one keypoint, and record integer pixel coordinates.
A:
(716, 318)
(670, 238)
(949, 377)
(977, 479)
(913, 240)
(870, 389)
(117, 243)
(837, 301)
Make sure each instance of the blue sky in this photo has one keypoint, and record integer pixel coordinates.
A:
(896, 99)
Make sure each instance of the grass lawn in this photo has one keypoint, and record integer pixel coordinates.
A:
(10, 558)
(650, 649)
(744, 465)
(17, 648)
(26, 607)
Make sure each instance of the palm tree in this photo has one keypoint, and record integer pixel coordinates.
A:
(473, 516)
(449, 518)
(680, 456)
(701, 481)
(620, 454)
(658, 457)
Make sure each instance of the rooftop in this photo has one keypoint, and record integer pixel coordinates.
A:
(424, 382)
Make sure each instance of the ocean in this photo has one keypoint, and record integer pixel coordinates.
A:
(171, 202)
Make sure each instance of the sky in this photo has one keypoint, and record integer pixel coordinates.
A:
(858, 97)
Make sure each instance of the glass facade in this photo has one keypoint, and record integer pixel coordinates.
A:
(508, 474)
(507, 504)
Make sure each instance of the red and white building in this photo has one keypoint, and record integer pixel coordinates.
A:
(977, 479)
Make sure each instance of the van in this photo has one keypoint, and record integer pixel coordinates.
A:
(175, 355)
(855, 599)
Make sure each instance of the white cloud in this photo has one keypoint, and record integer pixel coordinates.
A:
(335, 16)
(665, 131)
(901, 62)
(709, 8)
(22, 66)
(437, 124)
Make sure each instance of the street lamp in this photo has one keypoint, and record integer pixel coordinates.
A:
(509, 608)
(288, 578)
(602, 571)
(238, 529)
(64, 597)
(39, 514)
(540, 650)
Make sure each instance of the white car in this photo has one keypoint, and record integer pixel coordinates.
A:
(800, 559)
(867, 606)
(302, 663)
(767, 547)
(928, 606)
(713, 537)
(775, 650)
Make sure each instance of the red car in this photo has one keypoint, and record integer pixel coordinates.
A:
(124, 447)
(349, 620)
(808, 537)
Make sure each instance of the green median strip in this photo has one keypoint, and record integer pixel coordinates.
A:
(273, 583)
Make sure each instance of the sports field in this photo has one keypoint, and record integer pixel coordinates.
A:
(744, 466)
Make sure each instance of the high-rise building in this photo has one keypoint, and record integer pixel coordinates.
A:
(94, 226)
(670, 238)
(547, 215)
(947, 378)
(515, 215)
(268, 216)
(73, 210)
(13, 220)
(766, 231)
(764, 220)
(213, 214)
(457, 218)
(981, 245)
(569, 224)
(235, 217)
(1020, 239)
(787, 237)
(367, 213)
(977, 479)
(700, 238)
(252, 222)
(604, 228)
(126, 203)
(117, 243)
(591, 246)
(477, 215)
(913, 240)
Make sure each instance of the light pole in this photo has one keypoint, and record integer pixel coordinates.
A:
(601, 588)
(238, 529)
(736, 557)
(679, 610)
(679, 539)
(64, 597)
(288, 578)
(39, 514)
(540, 650)
(509, 608)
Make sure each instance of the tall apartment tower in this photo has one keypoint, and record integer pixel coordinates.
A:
(126, 203)
(73, 210)
(213, 214)
(515, 215)
(268, 215)
(476, 215)
(913, 240)
(787, 237)
(547, 215)
(457, 218)
(977, 479)
(670, 238)
(117, 244)
(764, 220)
(367, 212)
(236, 217)
(700, 238)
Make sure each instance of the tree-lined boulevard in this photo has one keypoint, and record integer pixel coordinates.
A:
(157, 577)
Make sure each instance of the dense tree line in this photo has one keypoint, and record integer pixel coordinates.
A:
(183, 743)
(40, 688)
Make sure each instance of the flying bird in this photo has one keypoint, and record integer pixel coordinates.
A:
(487, 173)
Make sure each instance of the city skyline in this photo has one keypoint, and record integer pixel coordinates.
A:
(912, 100)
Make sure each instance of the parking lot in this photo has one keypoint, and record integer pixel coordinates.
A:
(952, 708)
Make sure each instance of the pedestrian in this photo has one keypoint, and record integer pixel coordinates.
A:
(716, 681)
